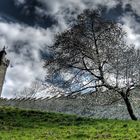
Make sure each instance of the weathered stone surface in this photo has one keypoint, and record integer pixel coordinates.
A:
(3, 69)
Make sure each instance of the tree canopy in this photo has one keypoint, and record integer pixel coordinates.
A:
(94, 53)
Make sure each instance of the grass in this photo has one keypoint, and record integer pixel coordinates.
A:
(17, 124)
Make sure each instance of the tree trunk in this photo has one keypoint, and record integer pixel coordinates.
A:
(129, 106)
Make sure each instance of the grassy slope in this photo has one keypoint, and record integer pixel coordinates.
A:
(18, 124)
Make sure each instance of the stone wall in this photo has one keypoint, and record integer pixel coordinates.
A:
(89, 105)
(3, 68)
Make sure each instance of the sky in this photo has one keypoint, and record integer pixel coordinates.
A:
(27, 28)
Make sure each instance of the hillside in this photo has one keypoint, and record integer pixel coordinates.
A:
(18, 124)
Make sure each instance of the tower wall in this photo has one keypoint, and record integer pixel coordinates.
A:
(3, 68)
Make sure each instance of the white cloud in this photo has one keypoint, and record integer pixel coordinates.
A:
(135, 5)
(132, 28)
(65, 10)
(26, 63)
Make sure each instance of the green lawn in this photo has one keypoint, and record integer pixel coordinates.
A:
(16, 124)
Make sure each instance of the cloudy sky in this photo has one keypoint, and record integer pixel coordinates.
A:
(27, 27)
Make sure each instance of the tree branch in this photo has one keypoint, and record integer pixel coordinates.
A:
(90, 87)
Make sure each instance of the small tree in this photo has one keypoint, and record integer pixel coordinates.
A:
(30, 92)
(94, 49)
(39, 89)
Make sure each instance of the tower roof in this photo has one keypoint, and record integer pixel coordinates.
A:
(2, 56)
(3, 51)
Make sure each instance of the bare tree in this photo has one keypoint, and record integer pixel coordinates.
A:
(30, 92)
(93, 52)
(39, 89)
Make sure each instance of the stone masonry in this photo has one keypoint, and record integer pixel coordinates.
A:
(3, 67)
(96, 105)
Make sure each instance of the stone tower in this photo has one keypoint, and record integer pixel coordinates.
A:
(4, 63)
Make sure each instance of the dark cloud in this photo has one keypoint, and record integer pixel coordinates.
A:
(24, 13)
